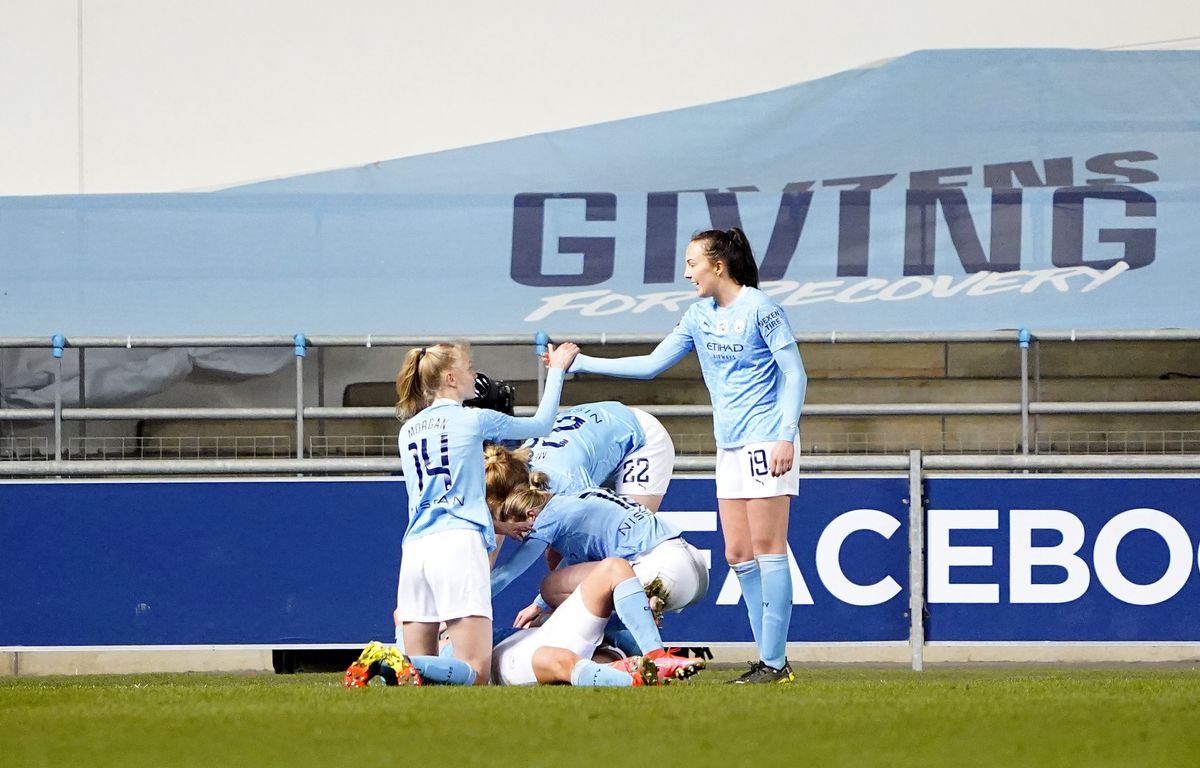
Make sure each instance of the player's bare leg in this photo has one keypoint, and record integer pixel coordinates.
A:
(472, 639)
(559, 584)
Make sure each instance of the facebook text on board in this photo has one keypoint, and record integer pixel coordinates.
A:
(950, 578)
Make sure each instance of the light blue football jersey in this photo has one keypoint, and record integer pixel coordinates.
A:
(596, 524)
(736, 345)
(587, 445)
(441, 452)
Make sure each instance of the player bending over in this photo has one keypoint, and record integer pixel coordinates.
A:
(592, 526)
(591, 444)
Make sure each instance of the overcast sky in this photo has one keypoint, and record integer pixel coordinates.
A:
(188, 94)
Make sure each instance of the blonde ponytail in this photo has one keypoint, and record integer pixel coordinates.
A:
(420, 376)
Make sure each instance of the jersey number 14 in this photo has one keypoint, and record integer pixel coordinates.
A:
(427, 470)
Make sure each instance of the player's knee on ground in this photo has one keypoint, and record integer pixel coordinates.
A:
(483, 670)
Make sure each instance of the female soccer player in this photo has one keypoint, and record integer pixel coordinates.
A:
(560, 650)
(444, 571)
(589, 527)
(589, 444)
(752, 367)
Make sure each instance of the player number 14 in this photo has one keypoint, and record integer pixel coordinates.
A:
(427, 470)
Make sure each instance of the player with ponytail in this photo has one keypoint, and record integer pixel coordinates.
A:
(444, 569)
(754, 374)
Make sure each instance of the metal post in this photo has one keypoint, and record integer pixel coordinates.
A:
(916, 560)
(1023, 337)
(300, 350)
(1037, 385)
(540, 342)
(58, 341)
(82, 391)
(321, 386)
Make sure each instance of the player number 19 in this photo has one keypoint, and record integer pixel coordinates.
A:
(758, 463)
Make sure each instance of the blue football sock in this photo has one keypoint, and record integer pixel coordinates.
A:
(629, 600)
(589, 674)
(751, 582)
(441, 670)
(776, 608)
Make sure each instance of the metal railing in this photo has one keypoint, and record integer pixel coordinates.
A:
(300, 344)
(683, 464)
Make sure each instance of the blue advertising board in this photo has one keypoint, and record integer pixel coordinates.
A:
(313, 562)
(848, 547)
(300, 562)
(1084, 559)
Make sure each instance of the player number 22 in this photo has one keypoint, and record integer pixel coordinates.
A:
(636, 471)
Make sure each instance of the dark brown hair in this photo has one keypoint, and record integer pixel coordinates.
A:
(731, 247)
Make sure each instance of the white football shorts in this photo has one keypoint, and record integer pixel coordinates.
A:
(744, 473)
(681, 566)
(572, 627)
(647, 471)
(444, 576)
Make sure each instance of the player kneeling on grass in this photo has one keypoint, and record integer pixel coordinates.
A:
(560, 650)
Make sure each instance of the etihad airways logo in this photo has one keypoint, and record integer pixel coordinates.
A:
(720, 346)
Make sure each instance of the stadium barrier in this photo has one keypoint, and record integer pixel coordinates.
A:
(1025, 409)
(1020, 562)
(981, 567)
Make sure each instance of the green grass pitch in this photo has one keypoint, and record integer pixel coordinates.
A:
(831, 716)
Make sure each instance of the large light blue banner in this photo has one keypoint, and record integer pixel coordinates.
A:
(944, 190)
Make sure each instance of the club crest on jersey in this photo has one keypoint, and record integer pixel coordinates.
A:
(722, 326)
(739, 325)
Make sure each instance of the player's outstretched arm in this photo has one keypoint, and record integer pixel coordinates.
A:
(541, 422)
(668, 352)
